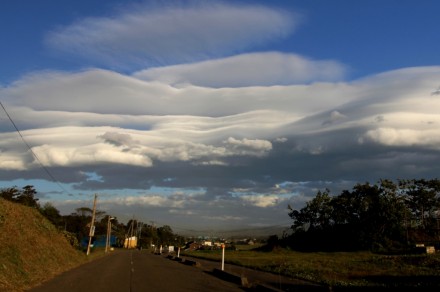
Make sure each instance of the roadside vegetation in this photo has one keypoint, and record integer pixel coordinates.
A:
(387, 218)
(76, 226)
(37, 243)
(337, 269)
(381, 235)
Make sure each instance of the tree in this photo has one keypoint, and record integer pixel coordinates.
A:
(313, 224)
(84, 211)
(149, 235)
(165, 235)
(368, 217)
(79, 222)
(317, 213)
(422, 198)
(382, 215)
(423, 202)
(26, 196)
(10, 194)
(52, 213)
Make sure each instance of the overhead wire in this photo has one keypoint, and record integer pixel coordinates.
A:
(30, 149)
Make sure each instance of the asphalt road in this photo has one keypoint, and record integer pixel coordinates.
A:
(135, 271)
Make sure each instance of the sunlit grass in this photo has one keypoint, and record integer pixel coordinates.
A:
(32, 250)
(337, 269)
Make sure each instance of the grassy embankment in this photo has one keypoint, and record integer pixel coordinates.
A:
(341, 269)
(32, 250)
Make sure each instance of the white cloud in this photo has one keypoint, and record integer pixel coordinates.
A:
(224, 218)
(106, 92)
(252, 69)
(146, 201)
(335, 116)
(93, 154)
(281, 140)
(65, 118)
(405, 137)
(227, 143)
(262, 201)
(10, 162)
(145, 34)
(182, 212)
(245, 146)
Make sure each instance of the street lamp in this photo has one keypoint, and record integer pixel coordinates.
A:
(92, 225)
(109, 232)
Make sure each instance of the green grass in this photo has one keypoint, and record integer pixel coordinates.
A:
(341, 269)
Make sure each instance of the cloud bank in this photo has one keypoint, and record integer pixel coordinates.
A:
(229, 142)
(194, 129)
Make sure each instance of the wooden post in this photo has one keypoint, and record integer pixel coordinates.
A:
(92, 225)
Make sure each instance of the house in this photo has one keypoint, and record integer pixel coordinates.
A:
(192, 245)
(98, 241)
(130, 242)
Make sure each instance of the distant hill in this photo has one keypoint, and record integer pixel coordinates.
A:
(32, 250)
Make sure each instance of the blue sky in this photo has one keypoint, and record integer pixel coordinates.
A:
(215, 114)
(367, 36)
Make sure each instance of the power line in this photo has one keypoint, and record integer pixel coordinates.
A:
(30, 149)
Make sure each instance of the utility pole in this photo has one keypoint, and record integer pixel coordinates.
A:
(129, 235)
(92, 225)
(139, 234)
(151, 238)
(109, 233)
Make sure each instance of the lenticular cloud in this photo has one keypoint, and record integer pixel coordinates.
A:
(170, 35)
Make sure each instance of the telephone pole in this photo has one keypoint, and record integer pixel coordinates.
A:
(109, 233)
(92, 225)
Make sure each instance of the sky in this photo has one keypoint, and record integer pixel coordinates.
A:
(215, 115)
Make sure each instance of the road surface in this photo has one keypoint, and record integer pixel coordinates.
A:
(136, 271)
(139, 271)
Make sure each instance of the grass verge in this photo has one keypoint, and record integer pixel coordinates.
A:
(341, 269)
